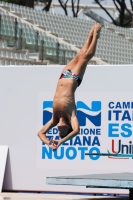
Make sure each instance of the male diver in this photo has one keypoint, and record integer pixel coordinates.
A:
(64, 108)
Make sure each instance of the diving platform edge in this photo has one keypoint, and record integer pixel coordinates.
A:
(113, 180)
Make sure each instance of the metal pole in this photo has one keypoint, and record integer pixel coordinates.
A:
(57, 52)
(64, 57)
(16, 30)
(0, 26)
(36, 41)
(42, 50)
(20, 39)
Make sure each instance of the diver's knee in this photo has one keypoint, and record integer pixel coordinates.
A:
(77, 58)
(90, 53)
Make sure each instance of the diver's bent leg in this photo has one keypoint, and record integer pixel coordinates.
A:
(88, 41)
(79, 63)
(86, 45)
(90, 52)
(92, 48)
(86, 53)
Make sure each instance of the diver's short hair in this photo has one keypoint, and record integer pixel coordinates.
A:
(62, 134)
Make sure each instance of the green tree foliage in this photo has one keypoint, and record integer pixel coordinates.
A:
(47, 4)
(125, 18)
(75, 6)
(28, 3)
(12, 1)
(63, 3)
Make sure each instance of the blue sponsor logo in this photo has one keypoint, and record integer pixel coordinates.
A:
(76, 147)
(47, 115)
(84, 112)
(82, 115)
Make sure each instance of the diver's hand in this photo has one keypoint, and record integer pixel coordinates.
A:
(52, 144)
(57, 143)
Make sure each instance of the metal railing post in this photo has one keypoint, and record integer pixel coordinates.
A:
(42, 50)
(64, 57)
(15, 32)
(20, 39)
(36, 41)
(57, 52)
(0, 25)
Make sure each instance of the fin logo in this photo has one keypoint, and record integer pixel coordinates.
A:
(84, 112)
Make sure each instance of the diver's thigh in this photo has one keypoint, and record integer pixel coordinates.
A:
(72, 63)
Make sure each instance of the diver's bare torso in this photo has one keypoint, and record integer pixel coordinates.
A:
(64, 99)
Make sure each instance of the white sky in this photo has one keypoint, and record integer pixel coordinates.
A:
(101, 13)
